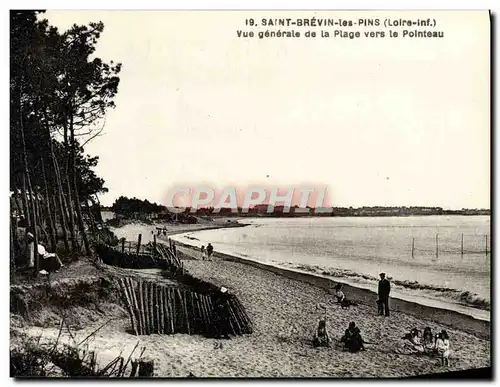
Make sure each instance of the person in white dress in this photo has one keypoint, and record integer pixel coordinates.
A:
(443, 347)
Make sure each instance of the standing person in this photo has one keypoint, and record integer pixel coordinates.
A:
(384, 289)
(428, 340)
(220, 316)
(210, 250)
(203, 253)
(443, 347)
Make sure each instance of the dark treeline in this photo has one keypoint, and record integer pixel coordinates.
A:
(127, 206)
(59, 95)
(133, 208)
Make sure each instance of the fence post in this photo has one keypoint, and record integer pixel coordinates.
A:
(437, 246)
(486, 244)
(413, 248)
(154, 242)
(462, 245)
(138, 243)
(123, 245)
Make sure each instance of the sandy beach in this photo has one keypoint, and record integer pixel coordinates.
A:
(285, 314)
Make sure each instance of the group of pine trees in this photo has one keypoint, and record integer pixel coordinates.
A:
(59, 95)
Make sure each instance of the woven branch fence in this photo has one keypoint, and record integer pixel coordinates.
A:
(161, 309)
(194, 307)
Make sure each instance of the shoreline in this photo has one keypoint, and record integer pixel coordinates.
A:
(365, 296)
(437, 312)
(284, 312)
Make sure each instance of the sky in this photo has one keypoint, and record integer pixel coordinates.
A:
(377, 121)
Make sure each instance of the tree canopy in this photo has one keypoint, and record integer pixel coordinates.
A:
(59, 95)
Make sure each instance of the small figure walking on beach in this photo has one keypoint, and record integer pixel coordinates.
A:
(203, 253)
(210, 250)
(384, 289)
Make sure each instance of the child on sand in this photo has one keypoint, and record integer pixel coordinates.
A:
(352, 339)
(203, 253)
(443, 347)
(210, 250)
(339, 294)
(411, 343)
(321, 338)
(428, 340)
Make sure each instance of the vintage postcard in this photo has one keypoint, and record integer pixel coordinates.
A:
(250, 194)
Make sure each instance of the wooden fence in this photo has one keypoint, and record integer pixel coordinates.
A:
(193, 307)
(156, 308)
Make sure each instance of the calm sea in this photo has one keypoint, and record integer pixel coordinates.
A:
(358, 249)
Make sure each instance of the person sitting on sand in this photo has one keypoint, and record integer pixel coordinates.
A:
(352, 339)
(339, 294)
(48, 262)
(411, 343)
(443, 347)
(210, 250)
(321, 338)
(428, 340)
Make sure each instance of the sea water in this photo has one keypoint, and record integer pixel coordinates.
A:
(421, 255)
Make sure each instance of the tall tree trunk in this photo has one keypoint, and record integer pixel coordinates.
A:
(13, 250)
(58, 188)
(60, 198)
(75, 190)
(71, 209)
(50, 219)
(18, 207)
(91, 215)
(67, 183)
(34, 228)
(24, 198)
(97, 203)
(28, 180)
(55, 215)
(38, 212)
